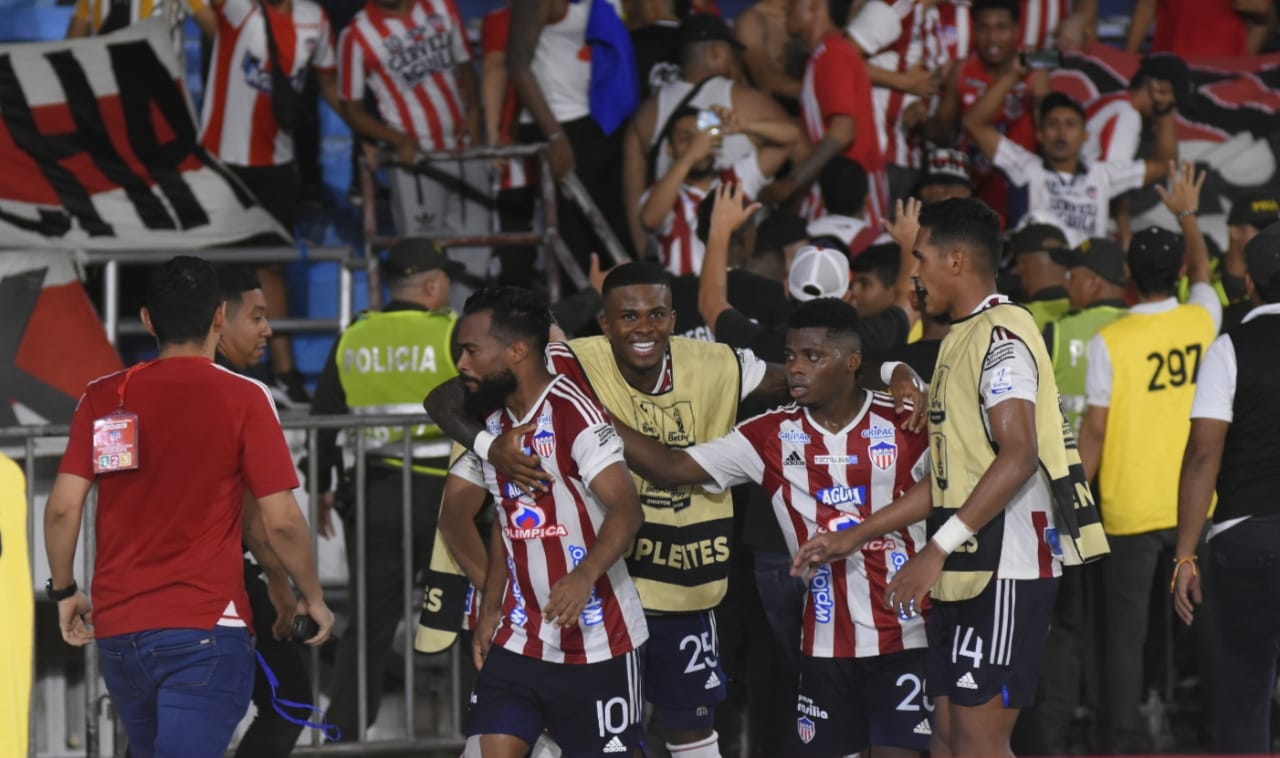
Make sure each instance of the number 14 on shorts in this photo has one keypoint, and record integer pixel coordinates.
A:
(967, 643)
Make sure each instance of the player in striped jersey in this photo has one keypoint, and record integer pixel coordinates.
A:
(669, 209)
(415, 58)
(829, 459)
(560, 625)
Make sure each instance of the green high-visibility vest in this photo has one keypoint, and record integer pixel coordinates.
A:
(1071, 335)
(388, 361)
(1048, 311)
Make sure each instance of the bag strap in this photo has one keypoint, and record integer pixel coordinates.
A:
(651, 160)
(272, 51)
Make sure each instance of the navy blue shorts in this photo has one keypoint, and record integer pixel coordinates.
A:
(848, 704)
(591, 709)
(683, 677)
(991, 645)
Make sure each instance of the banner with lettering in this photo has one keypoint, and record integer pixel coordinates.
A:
(100, 150)
(1230, 126)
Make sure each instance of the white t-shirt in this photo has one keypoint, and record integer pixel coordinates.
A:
(1216, 385)
(1097, 385)
(1080, 202)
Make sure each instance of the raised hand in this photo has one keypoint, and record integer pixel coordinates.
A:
(906, 222)
(1183, 193)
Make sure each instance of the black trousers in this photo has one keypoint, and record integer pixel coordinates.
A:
(1241, 585)
(384, 583)
(270, 735)
(1131, 570)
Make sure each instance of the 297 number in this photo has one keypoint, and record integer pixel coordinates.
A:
(1175, 368)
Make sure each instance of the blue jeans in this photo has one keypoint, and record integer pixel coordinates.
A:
(179, 692)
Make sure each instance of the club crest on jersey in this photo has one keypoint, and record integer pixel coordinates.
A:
(883, 454)
(796, 436)
(839, 495)
(529, 522)
(544, 442)
(821, 592)
(806, 729)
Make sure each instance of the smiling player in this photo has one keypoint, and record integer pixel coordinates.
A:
(829, 459)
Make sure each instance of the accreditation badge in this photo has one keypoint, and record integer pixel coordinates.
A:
(115, 443)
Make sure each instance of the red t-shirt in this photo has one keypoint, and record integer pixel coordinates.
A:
(836, 83)
(1199, 28)
(169, 532)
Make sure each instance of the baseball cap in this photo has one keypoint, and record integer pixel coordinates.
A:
(1155, 252)
(1036, 238)
(1260, 209)
(1262, 256)
(414, 255)
(704, 27)
(875, 27)
(1100, 255)
(944, 165)
(818, 272)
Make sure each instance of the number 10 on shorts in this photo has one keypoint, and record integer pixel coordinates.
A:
(612, 716)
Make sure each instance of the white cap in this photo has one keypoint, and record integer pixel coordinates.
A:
(818, 272)
(875, 27)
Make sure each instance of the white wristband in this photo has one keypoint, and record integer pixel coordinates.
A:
(952, 535)
(482, 444)
(886, 371)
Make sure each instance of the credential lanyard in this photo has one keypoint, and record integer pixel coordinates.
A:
(331, 731)
(128, 375)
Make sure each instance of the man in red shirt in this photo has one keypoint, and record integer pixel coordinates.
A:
(1202, 28)
(172, 617)
(835, 106)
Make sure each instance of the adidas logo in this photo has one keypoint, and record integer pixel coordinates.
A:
(713, 681)
(967, 681)
(794, 459)
(923, 728)
(615, 746)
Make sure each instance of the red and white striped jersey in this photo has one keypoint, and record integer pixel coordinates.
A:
(1114, 127)
(1040, 19)
(821, 481)
(237, 122)
(934, 35)
(678, 242)
(409, 62)
(546, 538)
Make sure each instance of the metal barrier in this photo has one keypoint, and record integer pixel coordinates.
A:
(112, 260)
(448, 738)
(558, 254)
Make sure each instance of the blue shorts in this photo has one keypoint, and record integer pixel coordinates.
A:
(590, 709)
(991, 645)
(683, 677)
(848, 704)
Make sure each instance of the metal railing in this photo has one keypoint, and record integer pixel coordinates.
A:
(558, 253)
(112, 260)
(450, 737)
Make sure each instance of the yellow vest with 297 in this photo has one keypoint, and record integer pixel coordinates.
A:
(388, 361)
(1155, 359)
(680, 558)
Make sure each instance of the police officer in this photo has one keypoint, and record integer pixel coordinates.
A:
(1234, 444)
(386, 362)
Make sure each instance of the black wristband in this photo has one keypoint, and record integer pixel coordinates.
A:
(59, 595)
